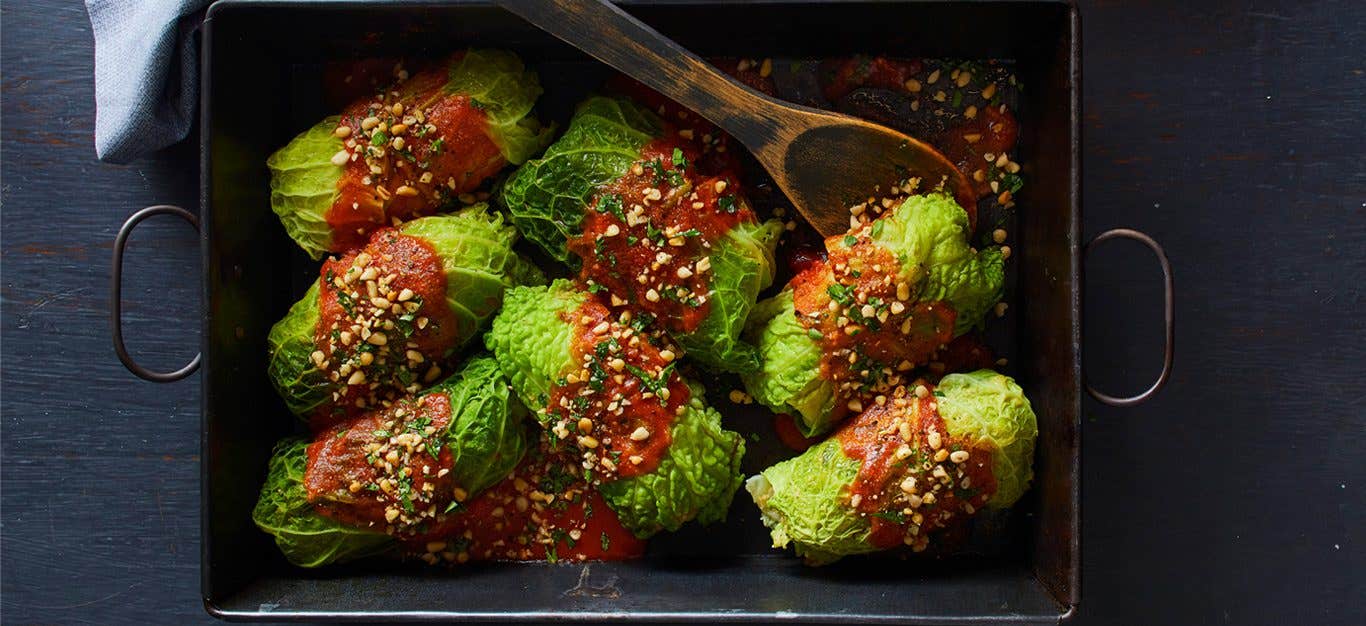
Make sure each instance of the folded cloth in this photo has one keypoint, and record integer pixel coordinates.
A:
(146, 74)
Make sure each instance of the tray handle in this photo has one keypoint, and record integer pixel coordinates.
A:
(116, 296)
(1169, 345)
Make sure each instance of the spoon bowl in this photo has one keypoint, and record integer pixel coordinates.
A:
(842, 162)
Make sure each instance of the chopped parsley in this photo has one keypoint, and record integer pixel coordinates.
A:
(895, 517)
(641, 321)
(843, 294)
(1013, 182)
(650, 383)
(405, 493)
(611, 203)
(347, 304)
(656, 167)
(555, 481)
(653, 233)
(727, 203)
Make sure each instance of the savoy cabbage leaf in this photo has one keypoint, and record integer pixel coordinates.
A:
(742, 265)
(307, 538)
(695, 480)
(487, 434)
(547, 196)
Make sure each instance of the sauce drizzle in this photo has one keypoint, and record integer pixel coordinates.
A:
(616, 405)
(915, 478)
(384, 325)
(648, 237)
(408, 150)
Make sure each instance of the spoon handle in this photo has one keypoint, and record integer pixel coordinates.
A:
(609, 34)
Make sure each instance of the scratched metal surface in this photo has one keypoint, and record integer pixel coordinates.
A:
(1231, 133)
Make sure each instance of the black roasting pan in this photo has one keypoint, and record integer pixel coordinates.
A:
(260, 85)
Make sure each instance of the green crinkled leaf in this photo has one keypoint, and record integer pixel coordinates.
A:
(547, 197)
(307, 538)
(924, 231)
(302, 385)
(742, 265)
(531, 338)
(696, 479)
(985, 406)
(971, 285)
(487, 434)
(928, 234)
(804, 502)
(476, 253)
(303, 185)
(498, 82)
(788, 380)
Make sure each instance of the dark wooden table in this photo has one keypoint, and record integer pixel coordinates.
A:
(1233, 132)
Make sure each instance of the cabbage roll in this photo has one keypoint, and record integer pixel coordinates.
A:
(605, 387)
(394, 475)
(407, 151)
(905, 471)
(386, 319)
(893, 291)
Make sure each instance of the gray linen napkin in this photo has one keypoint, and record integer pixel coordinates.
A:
(146, 74)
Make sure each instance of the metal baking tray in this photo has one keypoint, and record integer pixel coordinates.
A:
(260, 85)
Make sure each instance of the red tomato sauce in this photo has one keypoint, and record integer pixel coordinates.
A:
(421, 146)
(544, 511)
(346, 81)
(841, 76)
(789, 435)
(966, 353)
(719, 154)
(915, 478)
(993, 131)
(374, 353)
(618, 406)
(648, 237)
(871, 329)
(388, 469)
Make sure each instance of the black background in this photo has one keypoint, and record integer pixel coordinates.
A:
(1233, 132)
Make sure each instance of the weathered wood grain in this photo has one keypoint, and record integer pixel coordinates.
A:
(100, 470)
(1232, 132)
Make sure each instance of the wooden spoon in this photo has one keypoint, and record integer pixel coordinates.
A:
(825, 162)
